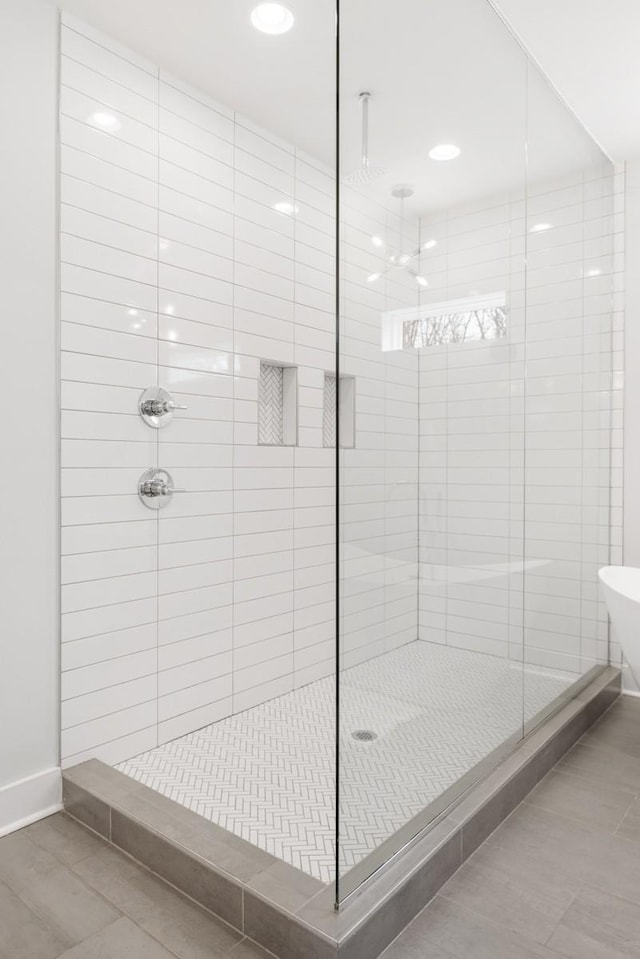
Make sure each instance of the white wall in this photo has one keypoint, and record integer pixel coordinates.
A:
(522, 435)
(29, 503)
(176, 269)
(471, 444)
(379, 478)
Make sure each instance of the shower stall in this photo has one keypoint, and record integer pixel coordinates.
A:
(340, 418)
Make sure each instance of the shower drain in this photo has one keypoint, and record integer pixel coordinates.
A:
(364, 735)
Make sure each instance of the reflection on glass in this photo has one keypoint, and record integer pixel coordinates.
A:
(473, 504)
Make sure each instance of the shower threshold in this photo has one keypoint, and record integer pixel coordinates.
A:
(286, 910)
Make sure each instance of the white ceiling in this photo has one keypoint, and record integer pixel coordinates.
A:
(284, 83)
(589, 51)
(439, 71)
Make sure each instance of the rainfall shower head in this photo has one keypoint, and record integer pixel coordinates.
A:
(366, 173)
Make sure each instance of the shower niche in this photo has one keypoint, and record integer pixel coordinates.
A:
(339, 411)
(277, 405)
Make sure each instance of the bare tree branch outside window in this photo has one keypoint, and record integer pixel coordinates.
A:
(483, 324)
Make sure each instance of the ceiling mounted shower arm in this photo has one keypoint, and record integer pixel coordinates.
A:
(366, 172)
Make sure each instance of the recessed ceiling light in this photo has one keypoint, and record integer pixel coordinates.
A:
(272, 18)
(373, 277)
(422, 281)
(377, 241)
(429, 245)
(445, 151)
(285, 207)
(594, 272)
(132, 312)
(105, 121)
(540, 227)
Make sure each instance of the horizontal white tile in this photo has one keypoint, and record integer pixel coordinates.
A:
(178, 270)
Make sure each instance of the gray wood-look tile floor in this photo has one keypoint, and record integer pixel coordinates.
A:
(65, 893)
(559, 878)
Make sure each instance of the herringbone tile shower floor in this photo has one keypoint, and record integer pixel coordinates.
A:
(268, 774)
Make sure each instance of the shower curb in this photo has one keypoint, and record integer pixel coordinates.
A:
(283, 909)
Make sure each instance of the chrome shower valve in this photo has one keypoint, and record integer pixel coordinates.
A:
(156, 407)
(156, 488)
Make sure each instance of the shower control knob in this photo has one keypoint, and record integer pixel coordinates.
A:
(159, 407)
(156, 407)
(156, 488)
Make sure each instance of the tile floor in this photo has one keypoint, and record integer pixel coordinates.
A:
(268, 774)
(65, 893)
(559, 878)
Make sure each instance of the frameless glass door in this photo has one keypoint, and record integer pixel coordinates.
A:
(477, 222)
(431, 331)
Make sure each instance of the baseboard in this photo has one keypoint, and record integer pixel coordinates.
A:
(30, 799)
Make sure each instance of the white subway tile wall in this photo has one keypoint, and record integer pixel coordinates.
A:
(178, 270)
(379, 477)
(475, 503)
(521, 438)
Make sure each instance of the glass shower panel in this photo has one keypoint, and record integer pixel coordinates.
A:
(431, 335)
(570, 362)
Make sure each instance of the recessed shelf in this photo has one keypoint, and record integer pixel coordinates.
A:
(277, 405)
(344, 417)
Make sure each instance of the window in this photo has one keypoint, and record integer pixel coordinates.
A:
(482, 324)
(469, 319)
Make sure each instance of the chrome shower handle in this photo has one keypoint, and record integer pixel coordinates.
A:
(158, 487)
(156, 407)
(159, 407)
(155, 488)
